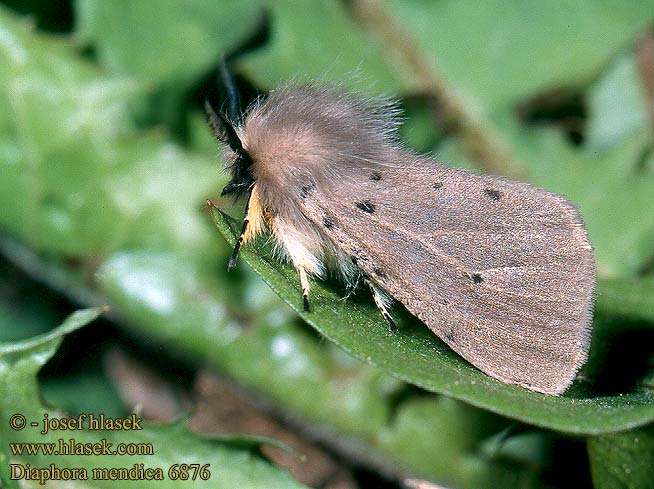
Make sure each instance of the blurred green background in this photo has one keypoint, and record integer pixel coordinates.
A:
(106, 162)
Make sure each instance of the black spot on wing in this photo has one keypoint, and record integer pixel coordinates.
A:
(379, 272)
(493, 194)
(366, 206)
(476, 278)
(375, 176)
(328, 222)
(307, 190)
(437, 185)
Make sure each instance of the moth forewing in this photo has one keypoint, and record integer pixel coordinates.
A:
(501, 271)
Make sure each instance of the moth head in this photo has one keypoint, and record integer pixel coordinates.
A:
(241, 163)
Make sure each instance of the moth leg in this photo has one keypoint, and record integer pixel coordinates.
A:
(295, 246)
(239, 242)
(351, 288)
(301, 248)
(382, 302)
(304, 282)
(251, 224)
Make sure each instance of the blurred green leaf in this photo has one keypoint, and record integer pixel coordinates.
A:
(495, 52)
(72, 182)
(628, 298)
(87, 391)
(455, 427)
(414, 355)
(623, 460)
(23, 313)
(617, 105)
(318, 40)
(233, 461)
(166, 41)
(89, 194)
(176, 305)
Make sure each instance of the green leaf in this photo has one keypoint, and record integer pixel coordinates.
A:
(617, 105)
(231, 461)
(497, 52)
(318, 40)
(627, 298)
(136, 37)
(181, 309)
(623, 460)
(72, 181)
(414, 355)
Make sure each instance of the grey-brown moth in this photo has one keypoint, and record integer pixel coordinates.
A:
(501, 271)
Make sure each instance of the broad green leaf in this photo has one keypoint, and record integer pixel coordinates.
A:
(312, 379)
(414, 355)
(317, 39)
(628, 298)
(623, 460)
(166, 41)
(495, 52)
(230, 461)
(72, 181)
(617, 105)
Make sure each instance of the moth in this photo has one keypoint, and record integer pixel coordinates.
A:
(501, 271)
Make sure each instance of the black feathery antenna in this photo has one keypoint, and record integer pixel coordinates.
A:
(223, 128)
(241, 175)
(232, 96)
